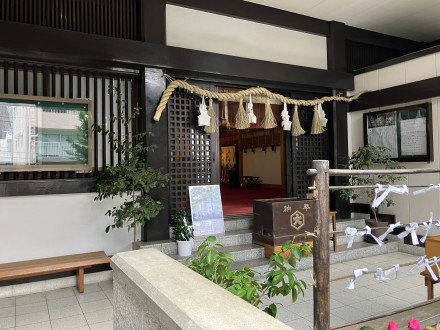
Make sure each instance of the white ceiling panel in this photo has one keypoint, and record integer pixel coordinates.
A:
(417, 20)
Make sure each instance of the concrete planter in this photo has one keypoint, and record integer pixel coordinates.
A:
(184, 248)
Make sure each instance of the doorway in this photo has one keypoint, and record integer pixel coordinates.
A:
(252, 162)
(195, 156)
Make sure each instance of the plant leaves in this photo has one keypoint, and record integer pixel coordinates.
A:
(250, 293)
(210, 257)
(271, 310)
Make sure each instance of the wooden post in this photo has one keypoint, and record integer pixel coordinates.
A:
(321, 256)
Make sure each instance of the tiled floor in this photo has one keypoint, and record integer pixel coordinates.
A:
(60, 309)
(68, 309)
(369, 298)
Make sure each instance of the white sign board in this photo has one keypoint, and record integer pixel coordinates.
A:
(206, 210)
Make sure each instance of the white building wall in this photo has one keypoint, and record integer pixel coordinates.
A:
(193, 29)
(409, 208)
(33, 227)
(264, 164)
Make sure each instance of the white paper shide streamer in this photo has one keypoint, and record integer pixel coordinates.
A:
(251, 116)
(431, 187)
(352, 232)
(356, 273)
(420, 261)
(411, 229)
(321, 115)
(379, 199)
(286, 123)
(389, 230)
(426, 226)
(381, 275)
(204, 119)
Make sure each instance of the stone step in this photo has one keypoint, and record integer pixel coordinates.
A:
(234, 222)
(357, 251)
(241, 252)
(230, 238)
(344, 223)
(241, 221)
(239, 232)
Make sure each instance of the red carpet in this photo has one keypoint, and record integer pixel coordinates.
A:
(239, 200)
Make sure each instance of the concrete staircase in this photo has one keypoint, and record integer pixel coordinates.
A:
(238, 241)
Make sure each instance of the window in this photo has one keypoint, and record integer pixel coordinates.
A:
(42, 133)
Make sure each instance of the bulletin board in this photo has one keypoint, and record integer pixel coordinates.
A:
(406, 131)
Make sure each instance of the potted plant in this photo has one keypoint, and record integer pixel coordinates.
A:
(370, 157)
(183, 232)
(131, 178)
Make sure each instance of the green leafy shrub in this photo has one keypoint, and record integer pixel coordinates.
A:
(365, 158)
(131, 179)
(181, 222)
(215, 265)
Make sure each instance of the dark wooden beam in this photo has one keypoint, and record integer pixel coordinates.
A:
(44, 187)
(152, 21)
(415, 91)
(50, 45)
(382, 40)
(400, 59)
(336, 55)
(257, 13)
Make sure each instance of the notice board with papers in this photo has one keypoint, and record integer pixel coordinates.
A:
(406, 131)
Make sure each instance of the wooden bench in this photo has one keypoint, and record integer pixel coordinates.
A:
(36, 267)
(429, 282)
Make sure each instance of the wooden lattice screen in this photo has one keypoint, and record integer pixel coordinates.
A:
(61, 82)
(305, 149)
(193, 154)
(115, 18)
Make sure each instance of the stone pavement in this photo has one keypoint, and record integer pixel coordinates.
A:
(69, 309)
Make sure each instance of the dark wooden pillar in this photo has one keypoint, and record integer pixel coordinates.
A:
(338, 136)
(152, 86)
(153, 21)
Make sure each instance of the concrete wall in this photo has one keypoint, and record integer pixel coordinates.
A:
(264, 164)
(193, 29)
(408, 208)
(171, 296)
(35, 227)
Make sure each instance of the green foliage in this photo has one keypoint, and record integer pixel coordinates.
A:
(369, 157)
(215, 265)
(131, 179)
(80, 143)
(181, 221)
